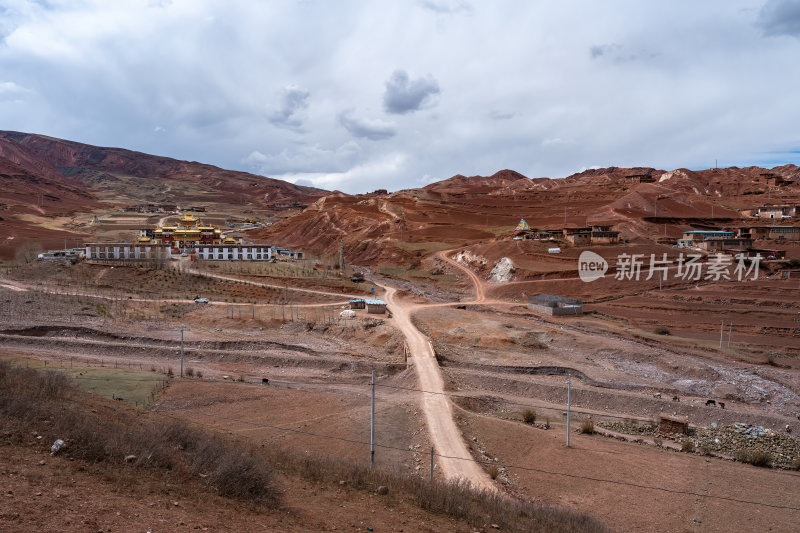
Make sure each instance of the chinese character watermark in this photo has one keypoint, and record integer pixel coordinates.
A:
(718, 267)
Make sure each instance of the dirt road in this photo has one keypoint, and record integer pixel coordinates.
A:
(480, 292)
(438, 410)
(457, 462)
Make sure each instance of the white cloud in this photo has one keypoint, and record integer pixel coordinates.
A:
(658, 84)
(374, 130)
(370, 175)
(304, 158)
(556, 141)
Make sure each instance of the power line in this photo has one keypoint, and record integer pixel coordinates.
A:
(456, 395)
(503, 400)
(517, 467)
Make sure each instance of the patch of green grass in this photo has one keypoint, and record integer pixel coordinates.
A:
(135, 386)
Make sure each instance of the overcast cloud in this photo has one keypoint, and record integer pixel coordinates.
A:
(289, 114)
(406, 96)
(360, 95)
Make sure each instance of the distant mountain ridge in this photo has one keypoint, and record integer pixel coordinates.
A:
(43, 177)
(95, 166)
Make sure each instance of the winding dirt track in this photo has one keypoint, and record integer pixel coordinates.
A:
(438, 410)
(480, 291)
(456, 461)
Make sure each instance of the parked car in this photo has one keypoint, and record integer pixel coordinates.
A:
(199, 300)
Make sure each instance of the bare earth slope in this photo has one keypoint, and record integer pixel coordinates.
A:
(397, 227)
(98, 166)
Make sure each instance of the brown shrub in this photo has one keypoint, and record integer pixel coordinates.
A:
(239, 471)
(28, 397)
(587, 426)
(529, 416)
(754, 457)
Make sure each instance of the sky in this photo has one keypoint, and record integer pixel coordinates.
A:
(364, 95)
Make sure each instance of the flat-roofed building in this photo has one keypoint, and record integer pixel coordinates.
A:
(777, 211)
(555, 305)
(700, 235)
(234, 252)
(376, 307)
(714, 244)
(603, 234)
(130, 251)
(788, 233)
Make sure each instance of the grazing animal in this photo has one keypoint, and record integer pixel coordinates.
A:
(675, 399)
(265, 381)
(657, 395)
(788, 429)
(721, 405)
(710, 402)
(120, 399)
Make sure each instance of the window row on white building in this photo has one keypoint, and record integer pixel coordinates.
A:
(152, 251)
(130, 251)
(234, 253)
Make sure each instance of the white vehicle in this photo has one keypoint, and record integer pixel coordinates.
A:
(554, 250)
(201, 300)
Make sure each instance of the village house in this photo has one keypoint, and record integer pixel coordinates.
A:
(695, 237)
(718, 244)
(777, 211)
(555, 305)
(787, 233)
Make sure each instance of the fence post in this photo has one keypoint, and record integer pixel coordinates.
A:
(569, 394)
(372, 426)
(431, 464)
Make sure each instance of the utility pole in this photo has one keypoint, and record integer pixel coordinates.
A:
(372, 427)
(721, 329)
(183, 328)
(730, 330)
(431, 464)
(341, 257)
(569, 402)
